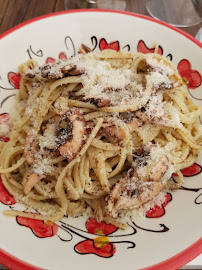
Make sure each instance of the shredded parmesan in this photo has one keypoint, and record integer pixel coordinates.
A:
(4, 129)
(42, 165)
(159, 66)
(159, 80)
(127, 215)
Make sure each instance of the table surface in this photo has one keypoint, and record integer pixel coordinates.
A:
(14, 12)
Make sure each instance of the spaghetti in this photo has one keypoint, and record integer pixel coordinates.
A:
(104, 131)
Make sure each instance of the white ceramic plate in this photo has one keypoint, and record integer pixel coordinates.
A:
(169, 236)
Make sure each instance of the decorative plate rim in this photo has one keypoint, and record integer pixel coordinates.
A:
(173, 262)
(104, 11)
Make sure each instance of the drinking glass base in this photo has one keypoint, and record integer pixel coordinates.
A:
(181, 13)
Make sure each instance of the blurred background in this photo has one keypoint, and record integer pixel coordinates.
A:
(13, 12)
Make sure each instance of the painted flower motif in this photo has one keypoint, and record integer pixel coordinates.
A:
(4, 121)
(159, 211)
(101, 245)
(62, 56)
(95, 227)
(114, 45)
(190, 76)
(5, 197)
(14, 79)
(192, 170)
(141, 47)
(40, 228)
(50, 60)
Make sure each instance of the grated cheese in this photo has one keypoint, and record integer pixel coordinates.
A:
(158, 66)
(42, 165)
(4, 129)
(103, 80)
(155, 109)
(48, 140)
(128, 215)
(159, 80)
(148, 132)
(173, 118)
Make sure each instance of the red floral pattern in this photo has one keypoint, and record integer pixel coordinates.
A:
(62, 56)
(14, 79)
(106, 250)
(5, 196)
(4, 120)
(141, 47)
(190, 76)
(40, 228)
(95, 227)
(99, 246)
(192, 170)
(159, 211)
(4, 139)
(114, 45)
(50, 60)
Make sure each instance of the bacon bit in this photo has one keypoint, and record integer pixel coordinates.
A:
(114, 131)
(132, 191)
(72, 145)
(99, 102)
(53, 71)
(30, 74)
(71, 70)
(123, 196)
(84, 49)
(32, 179)
(159, 170)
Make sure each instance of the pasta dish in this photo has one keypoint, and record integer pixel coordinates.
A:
(101, 131)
